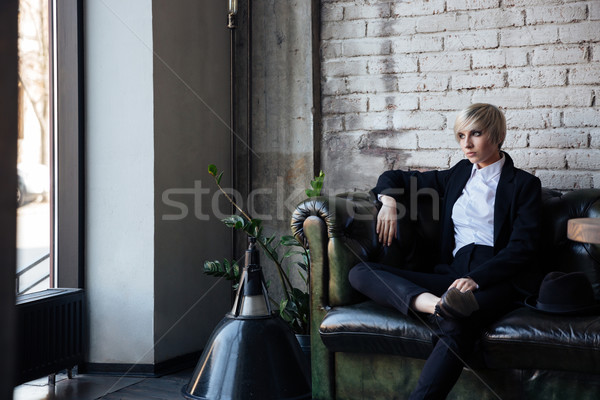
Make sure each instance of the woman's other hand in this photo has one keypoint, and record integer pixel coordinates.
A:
(387, 220)
(464, 284)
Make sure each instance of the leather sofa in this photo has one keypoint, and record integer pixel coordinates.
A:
(361, 350)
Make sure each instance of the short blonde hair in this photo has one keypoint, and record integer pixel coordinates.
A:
(485, 117)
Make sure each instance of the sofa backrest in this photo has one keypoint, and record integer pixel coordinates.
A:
(558, 253)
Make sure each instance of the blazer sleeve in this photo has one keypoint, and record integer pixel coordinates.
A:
(522, 245)
(398, 183)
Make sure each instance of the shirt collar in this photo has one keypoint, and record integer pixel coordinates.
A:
(491, 171)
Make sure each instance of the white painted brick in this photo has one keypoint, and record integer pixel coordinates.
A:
(562, 138)
(594, 10)
(393, 64)
(428, 159)
(453, 5)
(344, 30)
(345, 67)
(364, 11)
(344, 104)
(393, 102)
(391, 27)
(458, 61)
(586, 159)
(565, 180)
(531, 3)
(534, 158)
(530, 119)
(483, 79)
(417, 7)
(537, 77)
(515, 139)
(596, 180)
(397, 141)
(582, 117)
(418, 44)
(555, 118)
(579, 32)
(556, 13)
(331, 50)
(596, 52)
(423, 83)
(442, 23)
(472, 40)
(436, 140)
(366, 47)
(446, 101)
(369, 121)
(331, 12)
(585, 74)
(594, 138)
(528, 36)
(561, 97)
(333, 124)
(372, 84)
(333, 86)
(418, 120)
(561, 54)
(500, 58)
(496, 18)
(503, 97)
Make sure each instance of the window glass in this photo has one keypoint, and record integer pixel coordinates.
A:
(33, 192)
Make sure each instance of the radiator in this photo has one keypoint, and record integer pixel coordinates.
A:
(50, 332)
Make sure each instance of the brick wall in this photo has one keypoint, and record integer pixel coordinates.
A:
(395, 73)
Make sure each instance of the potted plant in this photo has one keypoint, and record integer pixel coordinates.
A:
(294, 307)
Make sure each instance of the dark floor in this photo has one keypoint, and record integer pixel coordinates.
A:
(92, 387)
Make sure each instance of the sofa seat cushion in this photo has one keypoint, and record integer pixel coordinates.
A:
(370, 328)
(528, 339)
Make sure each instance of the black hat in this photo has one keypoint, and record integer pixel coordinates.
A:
(564, 293)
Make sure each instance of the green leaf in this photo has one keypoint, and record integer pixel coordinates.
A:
(212, 169)
(254, 227)
(234, 221)
(227, 270)
(290, 241)
(302, 265)
(219, 178)
(316, 185)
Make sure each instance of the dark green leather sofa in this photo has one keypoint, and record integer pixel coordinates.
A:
(361, 350)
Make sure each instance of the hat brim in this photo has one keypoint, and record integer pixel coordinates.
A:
(531, 302)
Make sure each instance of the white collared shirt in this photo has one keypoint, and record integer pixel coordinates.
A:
(473, 212)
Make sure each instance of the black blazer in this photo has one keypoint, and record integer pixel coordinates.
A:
(517, 213)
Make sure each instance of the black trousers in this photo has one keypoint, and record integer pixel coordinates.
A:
(453, 340)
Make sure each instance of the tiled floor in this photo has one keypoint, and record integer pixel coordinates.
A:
(92, 387)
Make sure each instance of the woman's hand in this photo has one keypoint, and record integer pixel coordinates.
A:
(387, 220)
(464, 284)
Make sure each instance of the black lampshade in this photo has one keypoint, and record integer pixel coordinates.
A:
(252, 353)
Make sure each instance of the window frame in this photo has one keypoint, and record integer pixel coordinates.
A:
(67, 152)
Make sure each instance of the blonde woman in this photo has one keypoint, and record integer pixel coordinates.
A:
(489, 228)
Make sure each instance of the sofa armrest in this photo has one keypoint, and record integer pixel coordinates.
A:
(340, 232)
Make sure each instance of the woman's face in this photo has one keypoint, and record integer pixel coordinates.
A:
(478, 148)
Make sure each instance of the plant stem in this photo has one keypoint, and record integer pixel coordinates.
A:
(285, 281)
(233, 202)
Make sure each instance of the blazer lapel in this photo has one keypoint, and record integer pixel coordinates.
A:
(504, 194)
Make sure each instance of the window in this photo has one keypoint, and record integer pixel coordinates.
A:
(50, 215)
(33, 160)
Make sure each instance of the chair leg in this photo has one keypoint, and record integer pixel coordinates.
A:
(52, 379)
